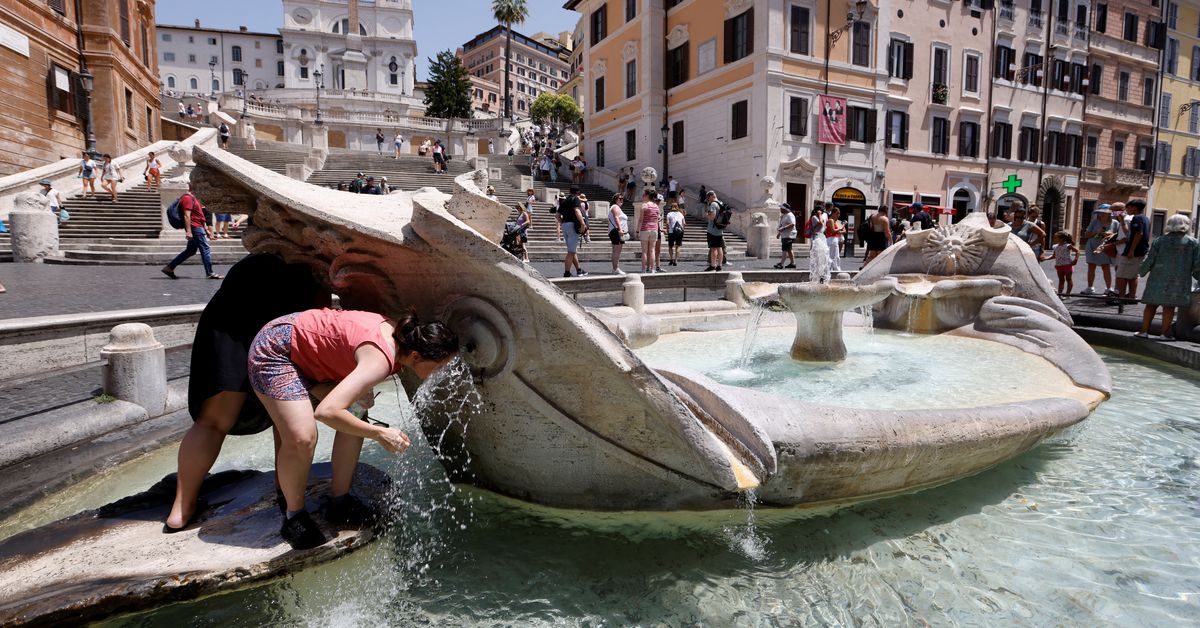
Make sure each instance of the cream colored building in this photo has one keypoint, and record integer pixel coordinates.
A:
(1175, 186)
(540, 64)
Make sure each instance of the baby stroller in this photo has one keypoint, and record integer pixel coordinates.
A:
(512, 240)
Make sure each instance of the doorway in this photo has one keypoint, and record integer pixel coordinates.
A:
(796, 195)
(961, 202)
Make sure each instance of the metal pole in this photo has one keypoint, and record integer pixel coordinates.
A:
(86, 83)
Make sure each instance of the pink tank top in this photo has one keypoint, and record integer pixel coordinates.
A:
(650, 215)
(324, 342)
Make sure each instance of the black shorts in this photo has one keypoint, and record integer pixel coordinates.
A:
(673, 194)
(675, 238)
(614, 236)
(786, 244)
(876, 241)
(715, 241)
(438, 158)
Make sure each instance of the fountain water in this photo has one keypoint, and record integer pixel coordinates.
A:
(820, 266)
(757, 310)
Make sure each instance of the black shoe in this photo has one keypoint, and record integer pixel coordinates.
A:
(790, 266)
(301, 532)
(567, 274)
(348, 509)
(710, 268)
(778, 266)
(718, 269)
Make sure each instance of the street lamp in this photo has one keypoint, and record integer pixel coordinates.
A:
(860, 8)
(245, 92)
(319, 84)
(212, 79)
(664, 131)
(86, 83)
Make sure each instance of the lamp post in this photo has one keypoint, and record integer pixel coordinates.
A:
(86, 83)
(317, 74)
(860, 7)
(212, 79)
(664, 131)
(245, 93)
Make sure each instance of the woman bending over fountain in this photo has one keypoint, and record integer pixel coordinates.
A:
(355, 351)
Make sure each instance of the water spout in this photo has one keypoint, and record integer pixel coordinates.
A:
(756, 314)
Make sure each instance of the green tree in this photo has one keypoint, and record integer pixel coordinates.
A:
(448, 94)
(508, 12)
(566, 111)
(542, 109)
(557, 109)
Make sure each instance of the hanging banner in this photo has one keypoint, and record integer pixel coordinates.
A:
(831, 121)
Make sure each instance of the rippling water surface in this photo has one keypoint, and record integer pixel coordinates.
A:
(1101, 527)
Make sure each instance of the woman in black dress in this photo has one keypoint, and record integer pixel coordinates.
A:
(258, 289)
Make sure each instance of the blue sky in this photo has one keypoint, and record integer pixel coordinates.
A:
(440, 24)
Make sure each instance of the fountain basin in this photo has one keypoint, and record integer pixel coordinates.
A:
(932, 304)
(819, 309)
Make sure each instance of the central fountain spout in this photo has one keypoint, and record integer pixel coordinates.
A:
(819, 309)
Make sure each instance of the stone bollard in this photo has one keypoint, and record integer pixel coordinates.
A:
(598, 209)
(633, 293)
(137, 367)
(758, 240)
(34, 228)
(550, 195)
(300, 172)
(169, 192)
(733, 289)
(318, 136)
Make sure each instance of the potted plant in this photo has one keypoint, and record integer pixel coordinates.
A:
(940, 93)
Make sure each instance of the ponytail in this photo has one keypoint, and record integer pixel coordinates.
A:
(432, 341)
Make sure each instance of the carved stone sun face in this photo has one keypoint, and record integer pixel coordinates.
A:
(953, 250)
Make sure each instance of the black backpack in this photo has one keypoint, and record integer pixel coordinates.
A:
(864, 231)
(724, 216)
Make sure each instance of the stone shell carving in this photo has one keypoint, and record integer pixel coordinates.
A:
(630, 51)
(957, 249)
(599, 67)
(678, 36)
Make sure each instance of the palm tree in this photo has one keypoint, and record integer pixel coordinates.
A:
(508, 12)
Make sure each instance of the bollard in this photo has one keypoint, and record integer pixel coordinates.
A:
(758, 240)
(633, 293)
(34, 228)
(733, 289)
(137, 367)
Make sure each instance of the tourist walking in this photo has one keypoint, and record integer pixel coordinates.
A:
(423, 149)
(714, 235)
(490, 193)
(571, 227)
(833, 237)
(223, 130)
(1099, 250)
(786, 232)
(397, 145)
(111, 176)
(1034, 216)
(87, 172)
(524, 223)
(618, 231)
(676, 222)
(879, 235)
(918, 215)
(379, 139)
(1065, 257)
(53, 197)
(197, 232)
(1026, 231)
(371, 188)
(260, 288)
(546, 166)
(1173, 263)
(647, 219)
(439, 157)
(183, 112)
(1137, 244)
(153, 172)
(491, 147)
(354, 351)
(672, 188)
(221, 225)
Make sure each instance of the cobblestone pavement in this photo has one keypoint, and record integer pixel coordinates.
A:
(49, 289)
(31, 395)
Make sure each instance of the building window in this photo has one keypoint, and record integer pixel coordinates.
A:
(279, 68)
(631, 145)
(145, 32)
(599, 24)
(1119, 153)
(1028, 143)
(304, 71)
(740, 115)
(598, 94)
(235, 53)
(860, 124)
(239, 77)
(191, 58)
(1195, 73)
(1145, 158)
(600, 153)
(631, 79)
(798, 116)
(1164, 111)
(166, 37)
(171, 82)
(677, 65)
(630, 9)
(1123, 86)
(968, 139)
(168, 56)
(1006, 58)
(677, 137)
(1094, 81)
(279, 46)
(1171, 58)
(1059, 74)
(1131, 27)
(1002, 140)
(1033, 70)
(1190, 166)
(258, 63)
(1101, 17)
(939, 136)
(860, 44)
(1194, 117)
(123, 16)
(900, 59)
(1148, 91)
(193, 84)
(897, 129)
(212, 41)
(1093, 149)
(1078, 78)
(1056, 144)
(941, 66)
(62, 89)
(128, 108)
(1074, 150)
(971, 74)
(149, 125)
(801, 29)
(739, 36)
(1162, 158)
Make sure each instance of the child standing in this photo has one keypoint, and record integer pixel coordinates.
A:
(1065, 258)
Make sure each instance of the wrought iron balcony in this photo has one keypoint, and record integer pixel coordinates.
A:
(1081, 32)
(1008, 10)
(1126, 179)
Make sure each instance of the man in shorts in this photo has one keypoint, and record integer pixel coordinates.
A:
(571, 226)
(715, 237)
(787, 235)
(1137, 243)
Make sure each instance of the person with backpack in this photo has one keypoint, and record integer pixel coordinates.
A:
(571, 226)
(787, 235)
(715, 231)
(224, 131)
(918, 215)
(675, 224)
(197, 232)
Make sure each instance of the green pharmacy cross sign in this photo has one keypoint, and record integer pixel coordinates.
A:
(1011, 184)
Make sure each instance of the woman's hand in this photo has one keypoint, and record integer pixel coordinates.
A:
(392, 440)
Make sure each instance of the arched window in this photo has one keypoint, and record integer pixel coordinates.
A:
(171, 82)
(236, 53)
(343, 26)
(216, 86)
(193, 83)
(393, 68)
